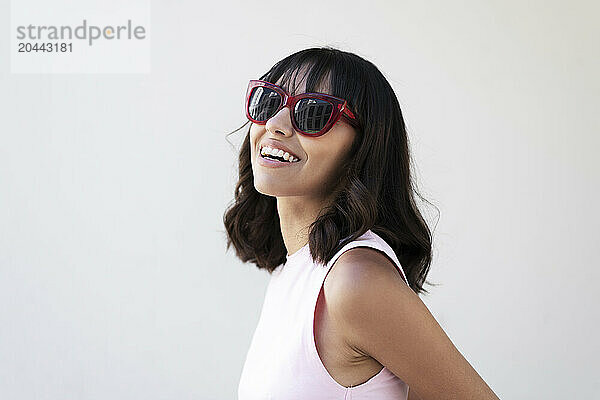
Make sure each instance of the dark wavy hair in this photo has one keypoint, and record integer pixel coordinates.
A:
(377, 190)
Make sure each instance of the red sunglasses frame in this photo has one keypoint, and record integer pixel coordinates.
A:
(339, 105)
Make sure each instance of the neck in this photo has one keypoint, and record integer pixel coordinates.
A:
(296, 214)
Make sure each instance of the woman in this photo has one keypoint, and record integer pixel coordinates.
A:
(325, 204)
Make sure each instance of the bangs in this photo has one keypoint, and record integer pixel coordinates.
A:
(289, 76)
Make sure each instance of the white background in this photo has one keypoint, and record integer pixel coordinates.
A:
(114, 279)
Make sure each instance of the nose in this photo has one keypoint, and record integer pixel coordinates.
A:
(281, 122)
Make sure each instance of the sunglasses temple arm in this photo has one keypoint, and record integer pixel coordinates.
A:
(347, 111)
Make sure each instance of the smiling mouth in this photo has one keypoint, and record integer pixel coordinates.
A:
(278, 155)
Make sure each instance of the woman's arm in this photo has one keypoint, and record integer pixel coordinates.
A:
(412, 395)
(383, 318)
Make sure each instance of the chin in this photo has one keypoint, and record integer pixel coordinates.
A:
(271, 189)
(263, 187)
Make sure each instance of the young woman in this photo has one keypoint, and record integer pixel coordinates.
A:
(325, 203)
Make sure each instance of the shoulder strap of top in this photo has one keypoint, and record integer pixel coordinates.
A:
(371, 239)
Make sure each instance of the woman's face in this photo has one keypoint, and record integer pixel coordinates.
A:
(320, 158)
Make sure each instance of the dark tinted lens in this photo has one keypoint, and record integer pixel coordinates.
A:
(312, 114)
(263, 103)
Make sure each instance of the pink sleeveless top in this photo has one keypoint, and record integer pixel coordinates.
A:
(282, 362)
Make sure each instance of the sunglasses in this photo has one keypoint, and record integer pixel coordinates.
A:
(313, 114)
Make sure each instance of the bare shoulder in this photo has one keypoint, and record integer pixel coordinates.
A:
(360, 282)
(381, 317)
(364, 266)
(359, 278)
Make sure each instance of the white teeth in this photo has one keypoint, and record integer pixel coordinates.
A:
(279, 153)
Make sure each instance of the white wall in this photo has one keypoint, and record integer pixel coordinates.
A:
(114, 280)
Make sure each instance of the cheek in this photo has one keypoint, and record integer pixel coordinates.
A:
(329, 165)
(254, 136)
(324, 167)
